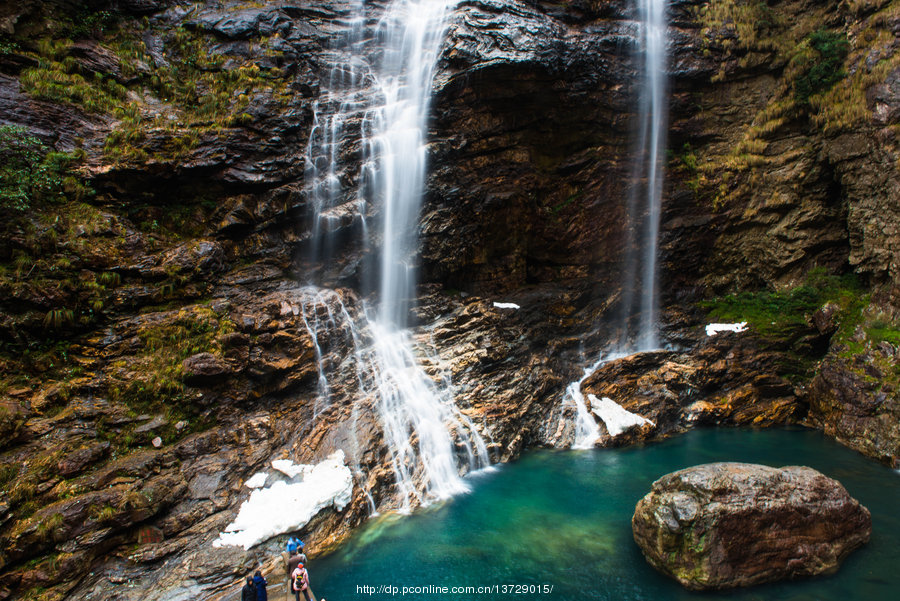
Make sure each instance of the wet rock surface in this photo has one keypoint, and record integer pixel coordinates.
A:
(724, 525)
(857, 403)
(723, 380)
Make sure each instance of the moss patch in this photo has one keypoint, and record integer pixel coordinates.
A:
(153, 379)
(191, 91)
(779, 313)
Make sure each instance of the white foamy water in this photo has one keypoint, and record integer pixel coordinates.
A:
(639, 275)
(640, 295)
(587, 432)
(376, 99)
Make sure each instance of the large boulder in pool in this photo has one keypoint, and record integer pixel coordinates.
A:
(723, 525)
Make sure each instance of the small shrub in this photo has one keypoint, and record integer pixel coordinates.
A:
(22, 491)
(8, 46)
(10, 423)
(104, 514)
(8, 472)
(133, 499)
(92, 23)
(28, 171)
(824, 64)
(58, 318)
(49, 529)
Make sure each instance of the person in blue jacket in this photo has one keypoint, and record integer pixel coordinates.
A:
(260, 583)
(293, 545)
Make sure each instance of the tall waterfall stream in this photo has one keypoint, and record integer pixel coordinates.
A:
(639, 302)
(384, 93)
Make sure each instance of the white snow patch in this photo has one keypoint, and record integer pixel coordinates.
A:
(289, 468)
(287, 507)
(507, 306)
(714, 328)
(257, 480)
(617, 418)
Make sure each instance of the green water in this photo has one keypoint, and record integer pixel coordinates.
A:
(563, 519)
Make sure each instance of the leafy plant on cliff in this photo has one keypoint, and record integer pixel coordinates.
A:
(822, 64)
(87, 23)
(28, 170)
(8, 46)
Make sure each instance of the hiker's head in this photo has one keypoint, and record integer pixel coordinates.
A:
(258, 573)
(249, 580)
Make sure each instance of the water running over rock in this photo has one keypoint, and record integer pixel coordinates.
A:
(380, 84)
(639, 304)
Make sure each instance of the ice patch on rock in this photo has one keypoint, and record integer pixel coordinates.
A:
(617, 418)
(288, 506)
(714, 328)
(257, 480)
(507, 306)
(289, 468)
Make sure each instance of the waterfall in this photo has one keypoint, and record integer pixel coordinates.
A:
(343, 100)
(639, 274)
(380, 87)
(639, 289)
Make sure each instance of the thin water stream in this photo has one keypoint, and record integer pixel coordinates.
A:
(563, 518)
(639, 303)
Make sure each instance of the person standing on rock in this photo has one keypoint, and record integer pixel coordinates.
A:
(295, 560)
(248, 593)
(300, 583)
(294, 544)
(291, 561)
(260, 583)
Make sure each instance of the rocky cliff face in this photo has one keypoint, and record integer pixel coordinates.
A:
(168, 301)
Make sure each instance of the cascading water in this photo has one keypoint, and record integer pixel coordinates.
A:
(382, 84)
(639, 275)
(344, 99)
(640, 295)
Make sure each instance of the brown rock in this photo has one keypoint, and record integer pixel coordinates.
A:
(825, 319)
(76, 461)
(722, 525)
(203, 367)
(859, 411)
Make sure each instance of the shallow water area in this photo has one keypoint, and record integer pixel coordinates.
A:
(563, 519)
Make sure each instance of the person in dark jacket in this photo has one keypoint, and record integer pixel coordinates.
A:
(295, 560)
(260, 583)
(248, 593)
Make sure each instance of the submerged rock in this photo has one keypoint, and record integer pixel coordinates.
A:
(722, 525)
